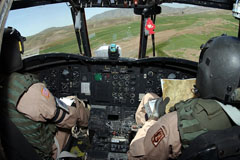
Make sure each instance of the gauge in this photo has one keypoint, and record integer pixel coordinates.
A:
(172, 76)
(133, 77)
(120, 83)
(127, 77)
(114, 94)
(150, 74)
(132, 101)
(132, 95)
(115, 76)
(123, 70)
(126, 89)
(149, 83)
(65, 86)
(120, 94)
(75, 74)
(65, 72)
(120, 89)
(76, 83)
(132, 89)
(45, 79)
(54, 83)
(132, 83)
(185, 77)
(53, 73)
(114, 83)
(159, 89)
(148, 90)
(76, 78)
(121, 76)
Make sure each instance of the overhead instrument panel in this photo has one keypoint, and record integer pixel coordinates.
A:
(112, 88)
(224, 4)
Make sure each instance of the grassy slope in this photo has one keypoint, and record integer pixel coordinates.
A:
(193, 41)
(173, 46)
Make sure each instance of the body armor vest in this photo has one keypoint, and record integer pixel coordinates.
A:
(197, 116)
(39, 134)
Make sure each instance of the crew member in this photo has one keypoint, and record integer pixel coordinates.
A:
(43, 119)
(217, 86)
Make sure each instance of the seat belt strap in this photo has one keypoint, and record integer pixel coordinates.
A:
(63, 154)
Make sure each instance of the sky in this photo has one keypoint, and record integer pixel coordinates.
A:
(33, 20)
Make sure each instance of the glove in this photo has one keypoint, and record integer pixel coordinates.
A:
(156, 108)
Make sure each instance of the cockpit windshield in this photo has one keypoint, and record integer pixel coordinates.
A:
(179, 30)
(119, 26)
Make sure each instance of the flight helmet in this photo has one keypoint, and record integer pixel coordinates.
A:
(218, 74)
(12, 48)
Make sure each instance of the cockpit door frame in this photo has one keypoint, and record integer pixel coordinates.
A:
(5, 6)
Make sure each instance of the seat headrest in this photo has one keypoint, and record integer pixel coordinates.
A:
(12, 48)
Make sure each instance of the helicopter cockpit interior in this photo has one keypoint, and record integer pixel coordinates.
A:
(114, 85)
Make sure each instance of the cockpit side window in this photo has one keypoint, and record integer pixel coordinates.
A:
(47, 28)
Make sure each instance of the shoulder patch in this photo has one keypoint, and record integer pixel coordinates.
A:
(157, 137)
(45, 92)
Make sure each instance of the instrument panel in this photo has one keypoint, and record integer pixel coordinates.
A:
(114, 90)
(107, 85)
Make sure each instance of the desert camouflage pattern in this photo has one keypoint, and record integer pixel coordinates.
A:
(156, 140)
(39, 104)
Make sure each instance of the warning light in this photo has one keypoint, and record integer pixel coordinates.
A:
(135, 2)
(98, 77)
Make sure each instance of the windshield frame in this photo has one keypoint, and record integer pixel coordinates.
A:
(77, 7)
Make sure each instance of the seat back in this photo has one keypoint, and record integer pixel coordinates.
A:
(215, 145)
(16, 146)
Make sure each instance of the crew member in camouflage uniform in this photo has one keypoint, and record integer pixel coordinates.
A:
(217, 86)
(43, 119)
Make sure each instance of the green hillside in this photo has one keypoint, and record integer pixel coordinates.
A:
(177, 35)
(209, 24)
